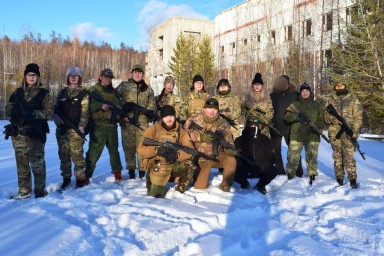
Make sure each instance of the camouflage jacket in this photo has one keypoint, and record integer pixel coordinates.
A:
(314, 111)
(262, 102)
(169, 99)
(130, 92)
(230, 106)
(216, 124)
(193, 104)
(347, 106)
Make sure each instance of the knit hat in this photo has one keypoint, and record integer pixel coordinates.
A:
(107, 72)
(32, 68)
(74, 70)
(167, 110)
(138, 67)
(257, 79)
(223, 82)
(305, 86)
(211, 103)
(252, 120)
(198, 78)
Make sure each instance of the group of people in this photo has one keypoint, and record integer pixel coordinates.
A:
(187, 137)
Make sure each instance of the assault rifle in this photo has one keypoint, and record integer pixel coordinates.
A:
(116, 110)
(137, 109)
(344, 128)
(219, 140)
(175, 146)
(69, 124)
(269, 124)
(304, 120)
(229, 120)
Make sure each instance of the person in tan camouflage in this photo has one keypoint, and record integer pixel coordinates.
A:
(137, 91)
(162, 162)
(259, 104)
(71, 104)
(29, 108)
(229, 105)
(195, 99)
(168, 97)
(348, 106)
(210, 119)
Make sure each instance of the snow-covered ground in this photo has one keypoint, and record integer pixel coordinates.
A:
(119, 219)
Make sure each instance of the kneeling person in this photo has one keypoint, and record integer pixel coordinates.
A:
(164, 162)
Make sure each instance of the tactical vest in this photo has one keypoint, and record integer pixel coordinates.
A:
(70, 107)
(196, 103)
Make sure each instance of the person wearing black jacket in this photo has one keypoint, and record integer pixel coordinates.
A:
(283, 94)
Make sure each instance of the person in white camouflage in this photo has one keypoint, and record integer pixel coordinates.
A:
(29, 108)
(347, 106)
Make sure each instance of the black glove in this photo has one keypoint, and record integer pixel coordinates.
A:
(168, 153)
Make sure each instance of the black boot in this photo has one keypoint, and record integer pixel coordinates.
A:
(311, 179)
(221, 170)
(66, 183)
(353, 184)
(141, 174)
(245, 185)
(340, 181)
(290, 176)
(131, 174)
(261, 188)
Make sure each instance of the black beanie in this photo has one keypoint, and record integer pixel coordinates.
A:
(305, 86)
(32, 68)
(257, 79)
(223, 82)
(198, 78)
(167, 110)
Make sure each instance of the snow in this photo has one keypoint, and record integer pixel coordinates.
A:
(119, 219)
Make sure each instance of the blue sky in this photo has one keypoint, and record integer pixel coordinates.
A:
(112, 21)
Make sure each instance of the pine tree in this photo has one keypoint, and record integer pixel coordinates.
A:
(205, 62)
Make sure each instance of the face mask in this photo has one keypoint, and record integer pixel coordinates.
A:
(341, 92)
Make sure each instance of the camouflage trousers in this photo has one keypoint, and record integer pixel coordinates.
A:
(343, 156)
(156, 180)
(100, 136)
(29, 157)
(71, 149)
(293, 156)
(131, 136)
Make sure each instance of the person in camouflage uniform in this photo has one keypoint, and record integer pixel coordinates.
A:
(302, 135)
(103, 131)
(210, 119)
(348, 106)
(195, 99)
(229, 105)
(72, 104)
(29, 108)
(167, 97)
(137, 91)
(163, 163)
(259, 104)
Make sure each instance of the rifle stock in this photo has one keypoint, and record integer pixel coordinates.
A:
(229, 120)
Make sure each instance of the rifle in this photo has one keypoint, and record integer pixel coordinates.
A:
(175, 146)
(116, 110)
(218, 139)
(132, 106)
(229, 120)
(70, 125)
(344, 128)
(269, 124)
(304, 120)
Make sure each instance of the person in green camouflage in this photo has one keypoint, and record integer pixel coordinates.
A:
(137, 91)
(229, 105)
(103, 130)
(72, 104)
(168, 97)
(196, 98)
(29, 108)
(302, 135)
(259, 104)
(348, 106)
(163, 163)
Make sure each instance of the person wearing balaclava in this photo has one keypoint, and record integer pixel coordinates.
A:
(72, 105)
(308, 110)
(348, 106)
(136, 91)
(29, 108)
(229, 105)
(195, 99)
(259, 104)
(163, 162)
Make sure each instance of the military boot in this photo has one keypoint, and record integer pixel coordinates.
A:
(131, 174)
(340, 181)
(311, 179)
(39, 194)
(20, 196)
(66, 183)
(261, 188)
(118, 177)
(353, 184)
(221, 170)
(141, 174)
(82, 183)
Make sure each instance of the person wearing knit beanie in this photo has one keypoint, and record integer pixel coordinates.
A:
(32, 68)
(167, 110)
(305, 86)
(257, 79)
